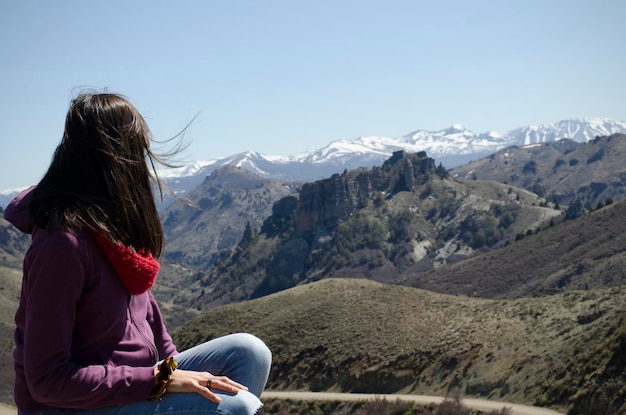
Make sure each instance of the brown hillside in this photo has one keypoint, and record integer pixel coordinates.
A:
(360, 336)
(13, 244)
(10, 285)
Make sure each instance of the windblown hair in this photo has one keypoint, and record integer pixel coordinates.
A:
(100, 178)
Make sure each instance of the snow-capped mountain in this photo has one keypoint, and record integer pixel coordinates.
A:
(451, 147)
(582, 130)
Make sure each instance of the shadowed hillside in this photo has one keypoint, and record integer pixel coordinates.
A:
(585, 253)
(225, 202)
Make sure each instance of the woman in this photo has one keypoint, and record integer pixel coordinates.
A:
(89, 335)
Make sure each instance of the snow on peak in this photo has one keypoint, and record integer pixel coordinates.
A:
(458, 127)
(454, 142)
(187, 169)
(581, 130)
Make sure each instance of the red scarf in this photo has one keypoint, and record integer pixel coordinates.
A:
(136, 270)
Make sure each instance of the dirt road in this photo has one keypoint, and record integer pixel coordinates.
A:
(483, 405)
(480, 404)
(7, 410)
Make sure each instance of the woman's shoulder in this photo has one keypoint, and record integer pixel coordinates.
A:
(58, 236)
(56, 255)
(61, 242)
(17, 212)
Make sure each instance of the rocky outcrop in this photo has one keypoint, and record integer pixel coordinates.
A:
(378, 222)
(326, 203)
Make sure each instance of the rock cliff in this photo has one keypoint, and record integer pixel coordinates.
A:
(324, 204)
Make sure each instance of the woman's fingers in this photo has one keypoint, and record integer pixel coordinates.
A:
(220, 383)
(209, 394)
(203, 383)
(225, 384)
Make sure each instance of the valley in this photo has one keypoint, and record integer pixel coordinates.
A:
(407, 277)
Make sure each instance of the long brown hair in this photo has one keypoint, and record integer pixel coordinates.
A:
(101, 175)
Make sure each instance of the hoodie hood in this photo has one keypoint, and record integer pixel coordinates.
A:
(17, 212)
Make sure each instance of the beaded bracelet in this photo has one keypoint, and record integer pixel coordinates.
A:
(166, 368)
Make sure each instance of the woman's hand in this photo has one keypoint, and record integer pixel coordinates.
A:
(203, 383)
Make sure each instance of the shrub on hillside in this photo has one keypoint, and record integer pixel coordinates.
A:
(530, 168)
(452, 406)
(480, 231)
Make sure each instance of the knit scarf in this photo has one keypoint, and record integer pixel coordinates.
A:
(136, 270)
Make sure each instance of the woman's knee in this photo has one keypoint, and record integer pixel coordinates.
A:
(244, 403)
(250, 344)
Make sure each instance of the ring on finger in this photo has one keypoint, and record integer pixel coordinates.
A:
(208, 384)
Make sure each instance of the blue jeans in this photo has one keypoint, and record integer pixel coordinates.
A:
(242, 357)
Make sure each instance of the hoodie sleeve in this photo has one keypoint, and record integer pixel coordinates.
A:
(56, 273)
(18, 213)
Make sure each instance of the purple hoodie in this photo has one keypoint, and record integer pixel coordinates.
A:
(81, 340)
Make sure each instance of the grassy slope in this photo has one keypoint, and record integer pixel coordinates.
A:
(10, 282)
(362, 336)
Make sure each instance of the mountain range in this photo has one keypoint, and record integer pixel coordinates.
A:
(451, 147)
(385, 222)
(546, 177)
(509, 298)
(374, 222)
(524, 301)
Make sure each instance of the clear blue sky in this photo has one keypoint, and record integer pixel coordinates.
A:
(287, 76)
